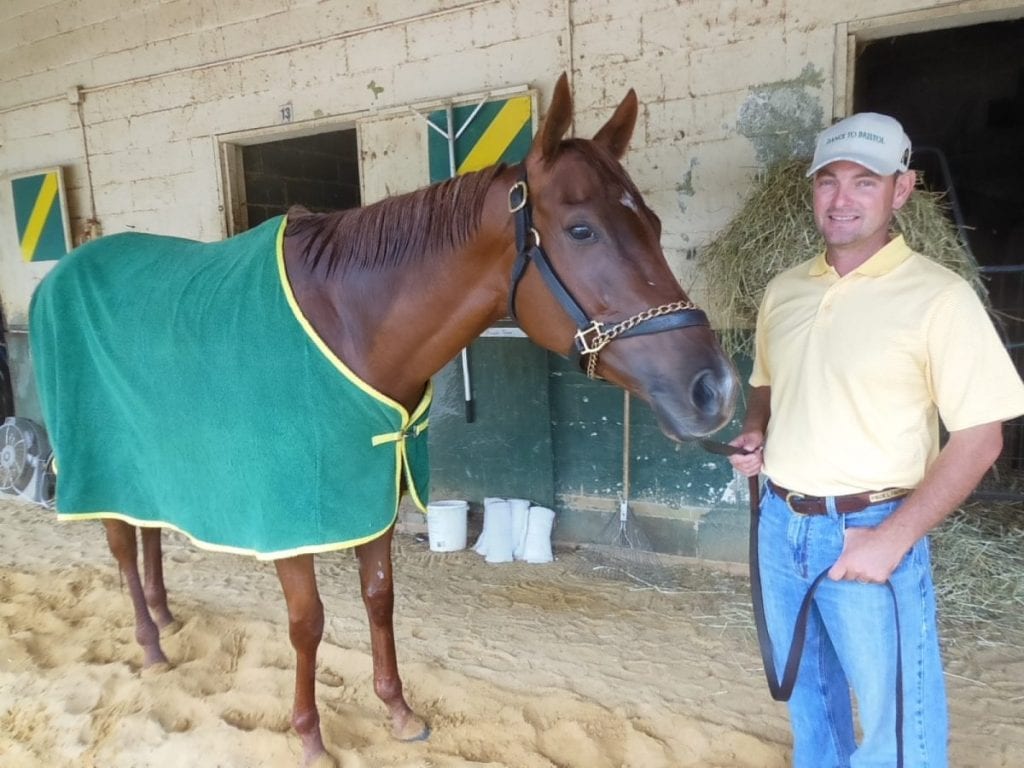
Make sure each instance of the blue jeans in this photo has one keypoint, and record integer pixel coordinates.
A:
(851, 644)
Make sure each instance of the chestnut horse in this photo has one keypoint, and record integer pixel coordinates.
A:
(563, 242)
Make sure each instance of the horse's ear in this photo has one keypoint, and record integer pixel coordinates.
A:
(616, 133)
(556, 122)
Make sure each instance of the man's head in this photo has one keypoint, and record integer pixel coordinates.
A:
(861, 176)
(874, 141)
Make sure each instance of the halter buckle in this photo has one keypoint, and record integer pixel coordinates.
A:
(591, 340)
(514, 207)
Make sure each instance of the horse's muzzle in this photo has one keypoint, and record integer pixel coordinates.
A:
(703, 405)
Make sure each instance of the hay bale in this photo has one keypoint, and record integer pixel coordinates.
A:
(774, 230)
(979, 572)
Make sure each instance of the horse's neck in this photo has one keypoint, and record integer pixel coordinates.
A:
(397, 327)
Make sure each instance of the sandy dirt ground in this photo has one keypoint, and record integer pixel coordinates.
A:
(512, 664)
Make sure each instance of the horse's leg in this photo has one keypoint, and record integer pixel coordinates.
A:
(153, 569)
(305, 628)
(377, 585)
(121, 538)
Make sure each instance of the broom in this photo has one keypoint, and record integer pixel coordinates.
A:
(625, 552)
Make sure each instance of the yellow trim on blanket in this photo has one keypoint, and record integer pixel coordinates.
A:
(391, 437)
(277, 555)
(408, 420)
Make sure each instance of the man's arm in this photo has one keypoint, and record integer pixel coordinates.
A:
(872, 554)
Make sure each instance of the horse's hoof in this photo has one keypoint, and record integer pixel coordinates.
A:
(414, 730)
(170, 628)
(323, 760)
(157, 668)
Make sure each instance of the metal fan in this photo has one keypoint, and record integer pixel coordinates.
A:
(25, 461)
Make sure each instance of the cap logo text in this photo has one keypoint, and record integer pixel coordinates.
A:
(865, 135)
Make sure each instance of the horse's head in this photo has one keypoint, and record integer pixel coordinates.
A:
(597, 282)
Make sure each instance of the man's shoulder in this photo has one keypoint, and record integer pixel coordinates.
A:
(927, 272)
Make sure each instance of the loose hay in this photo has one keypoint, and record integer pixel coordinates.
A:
(774, 230)
(978, 554)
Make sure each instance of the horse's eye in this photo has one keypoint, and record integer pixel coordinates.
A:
(581, 232)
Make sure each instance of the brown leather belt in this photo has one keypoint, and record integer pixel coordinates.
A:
(845, 505)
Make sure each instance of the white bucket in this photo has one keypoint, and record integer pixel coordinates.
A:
(538, 536)
(446, 525)
(520, 516)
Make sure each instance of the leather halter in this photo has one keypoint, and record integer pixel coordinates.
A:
(591, 335)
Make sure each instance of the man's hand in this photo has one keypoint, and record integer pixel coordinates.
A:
(868, 556)
(872, 554)
(752, 437)
(748, 464)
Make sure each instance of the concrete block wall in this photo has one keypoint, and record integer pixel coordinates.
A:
(719, 84)
(161, 80)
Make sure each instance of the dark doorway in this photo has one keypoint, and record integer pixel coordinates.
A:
(960, 96)
(320, 172)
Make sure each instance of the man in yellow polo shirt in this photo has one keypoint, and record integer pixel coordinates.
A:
(859, 353)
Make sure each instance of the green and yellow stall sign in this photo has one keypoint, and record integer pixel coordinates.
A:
(473, 136)
(40, 213)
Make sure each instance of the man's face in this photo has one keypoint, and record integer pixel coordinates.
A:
(853, 206)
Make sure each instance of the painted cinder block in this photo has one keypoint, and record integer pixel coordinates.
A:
(614, 40)
(74, 15)
(430, 37)
(535, 61)
(37, 86)
(26, 31)
(264, 74)
(109, 136)
(47, 121)
(735, 66)
(376, 50)
(671, 121)
(720, 179)
(677, 29)
(502, 22)
(316, 66)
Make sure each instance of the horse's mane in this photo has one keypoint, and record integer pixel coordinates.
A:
(412, 227)
(397, 230)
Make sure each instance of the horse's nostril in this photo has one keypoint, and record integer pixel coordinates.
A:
(704, 392)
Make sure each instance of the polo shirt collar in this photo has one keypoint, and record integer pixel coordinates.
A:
(890, 256)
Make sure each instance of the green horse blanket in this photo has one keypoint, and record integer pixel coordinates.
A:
(182, 387)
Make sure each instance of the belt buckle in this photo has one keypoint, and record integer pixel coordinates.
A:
(792, 496)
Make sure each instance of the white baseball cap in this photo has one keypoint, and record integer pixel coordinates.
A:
(875, 141)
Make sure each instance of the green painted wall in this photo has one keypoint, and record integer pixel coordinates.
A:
(543, 431)
(506, 450)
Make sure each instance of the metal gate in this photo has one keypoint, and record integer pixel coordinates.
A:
(1006, 292)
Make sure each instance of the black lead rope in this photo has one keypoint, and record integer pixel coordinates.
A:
(782, 690)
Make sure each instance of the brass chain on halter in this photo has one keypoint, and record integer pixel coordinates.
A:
(593, 339)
